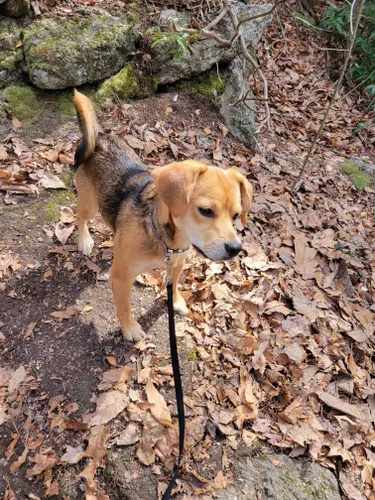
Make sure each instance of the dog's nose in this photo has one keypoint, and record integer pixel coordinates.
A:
(233, 248)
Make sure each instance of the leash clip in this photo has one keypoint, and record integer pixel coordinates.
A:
(168, 265)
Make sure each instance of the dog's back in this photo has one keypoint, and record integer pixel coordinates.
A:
(109, 163)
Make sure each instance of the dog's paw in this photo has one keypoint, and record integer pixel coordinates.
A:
(85, 244)
(133, 332)
(180, 307)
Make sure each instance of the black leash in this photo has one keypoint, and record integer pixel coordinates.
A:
(176, 378)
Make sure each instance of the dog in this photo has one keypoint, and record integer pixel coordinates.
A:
(153, 212)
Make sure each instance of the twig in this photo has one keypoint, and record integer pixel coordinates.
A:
(328, 48)
(217, 19)
(351, 16)
(282, 31)
(333, 98)
(353, 89)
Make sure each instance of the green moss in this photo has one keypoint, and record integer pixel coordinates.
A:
(51, 208)
(192, 354)
(129, 83)
(349, 167)
(124, 85)
(10, 55)
(360, 179)
(209, 85)
(65, 104)
(23, 102)
(9, 63)
(131, 17)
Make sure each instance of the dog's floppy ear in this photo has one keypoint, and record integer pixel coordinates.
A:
(246, 190)
(175, 184)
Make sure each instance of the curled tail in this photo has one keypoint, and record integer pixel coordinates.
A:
(89, 127)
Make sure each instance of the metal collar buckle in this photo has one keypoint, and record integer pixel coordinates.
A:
(167, 259)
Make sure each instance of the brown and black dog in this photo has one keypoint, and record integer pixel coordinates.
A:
(180, 204)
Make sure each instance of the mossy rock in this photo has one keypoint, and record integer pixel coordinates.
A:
(23, 103)
(11, 56)
(359, 178)
(74, 52)
(129, 83)
(170, 64)
(15, 8)
(209, 85)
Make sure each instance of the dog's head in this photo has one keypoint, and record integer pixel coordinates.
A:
(204, 202)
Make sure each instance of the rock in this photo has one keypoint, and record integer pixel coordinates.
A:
(170, 64)
(209, 85)
(10, 56)
(14, 8)
(281, 478)
(168, 15)
(131, 478)
(74, 52)
(239, 119)
(129, 83)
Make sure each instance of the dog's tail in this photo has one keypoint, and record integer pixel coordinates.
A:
(89, 127)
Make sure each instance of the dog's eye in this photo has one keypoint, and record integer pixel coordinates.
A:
(235, 216)
(206, 212)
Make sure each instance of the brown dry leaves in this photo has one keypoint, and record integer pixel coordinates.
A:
(280, 342)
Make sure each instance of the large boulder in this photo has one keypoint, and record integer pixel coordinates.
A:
(170, 64)
(281, 478)
(74, 52)
(11, 56)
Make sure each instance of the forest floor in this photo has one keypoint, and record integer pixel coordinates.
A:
(277, 351)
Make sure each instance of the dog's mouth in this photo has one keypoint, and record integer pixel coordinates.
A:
(200, 251)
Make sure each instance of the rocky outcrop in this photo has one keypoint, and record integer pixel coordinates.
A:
(239, 119)
(74, 52)
(170, 64)
(281, 478)
(11, 56)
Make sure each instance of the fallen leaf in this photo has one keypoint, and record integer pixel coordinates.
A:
(21, 460)
(16, 379)
(62, 232)
(108, 406)
(340, 405)
(95, 450)
(305, 262)
(67, 313)
(159, 409)
(3, 153)
(66, 215)
(130, 435)
(72, 455)
(145, 453)
(51, 181)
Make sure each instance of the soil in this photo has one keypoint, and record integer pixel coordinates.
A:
(66, 357)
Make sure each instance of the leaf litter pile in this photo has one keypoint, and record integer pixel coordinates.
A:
(279, 343)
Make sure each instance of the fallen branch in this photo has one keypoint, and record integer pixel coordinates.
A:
(333, 98)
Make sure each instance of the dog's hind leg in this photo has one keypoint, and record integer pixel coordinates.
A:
(87, 206)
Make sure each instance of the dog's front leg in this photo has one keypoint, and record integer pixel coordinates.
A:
(179, 304)
(121, 288)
